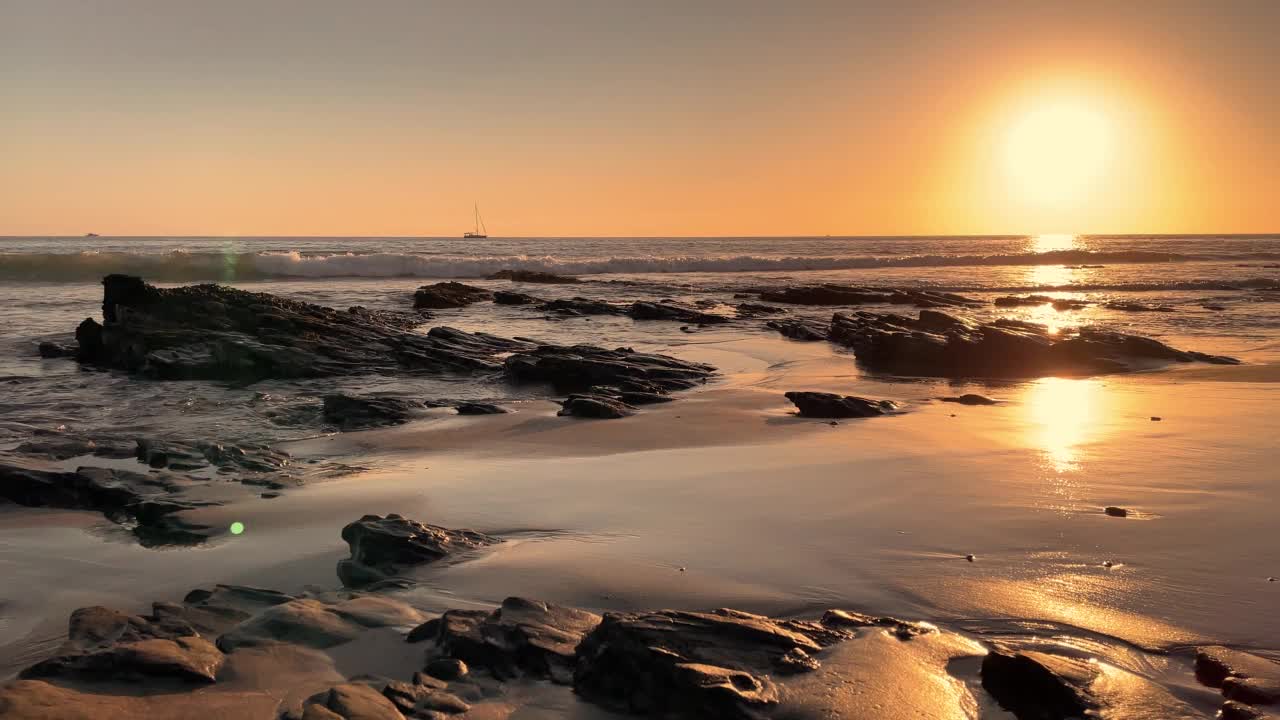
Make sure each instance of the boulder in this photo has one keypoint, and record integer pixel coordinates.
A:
(351, 701)
(351, 411)
(831, 294)
(673, 311)
(383, 547)
(478, 408)
(533, 276)
(595, 406)
(213, 332)
(939, 345)
(694, 664)
(582, 306)
(1039, 686)
(970, 399)
(448, 295)
(801, 329)
(520, 637)
(51, 350)
(831, 405)
(505, 297)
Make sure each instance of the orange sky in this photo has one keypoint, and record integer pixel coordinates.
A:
(621, 118)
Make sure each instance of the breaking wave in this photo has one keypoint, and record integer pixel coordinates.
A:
(182, 266)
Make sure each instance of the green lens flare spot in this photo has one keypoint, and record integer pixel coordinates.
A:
(237, 528)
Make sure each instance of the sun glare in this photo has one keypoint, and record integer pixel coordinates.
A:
(1055, 150)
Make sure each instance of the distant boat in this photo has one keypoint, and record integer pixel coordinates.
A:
(480, 230)
(91, 234)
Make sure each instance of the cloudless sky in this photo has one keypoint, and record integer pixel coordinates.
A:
(603, 117)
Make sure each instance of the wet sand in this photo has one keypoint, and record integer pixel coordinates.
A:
(725, 498)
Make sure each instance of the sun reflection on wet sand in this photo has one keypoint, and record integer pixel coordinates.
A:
(1062, 413)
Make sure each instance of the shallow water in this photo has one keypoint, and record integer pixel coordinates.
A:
(723, 498)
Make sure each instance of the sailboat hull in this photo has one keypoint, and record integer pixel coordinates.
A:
(474, 235)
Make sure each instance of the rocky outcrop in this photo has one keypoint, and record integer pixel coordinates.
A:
(351, 412)
(830, 294)
(582, 306)
(479, 408)
(383, 547)
(600, 407)
(505, 297)
(673, 311)
(534, 276)
(801, 329)
(446, 295)
(939, 345)
(1125, 306)
(754, 310)
(693, 664)
(146, 502)
(520, 637)
(831, 405)
(220, 333)
(1244, 677)
(1034, 685)
(51, 350)
(579, 367)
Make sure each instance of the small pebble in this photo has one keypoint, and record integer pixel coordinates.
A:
(270, 494)
(970, 557)
(1155, 418)
(682, 568)
(1115, 511)
(1271, 579)
(833, 423)
(1107, 564)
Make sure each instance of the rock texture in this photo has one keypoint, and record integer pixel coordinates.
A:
(831, 405)
(506, 297)
(800, 329)
(219, 333)
(673, 311)
(595, 406)
(939, 345)
(383, 547)
(350, 411)
(446, 295)
(580, 367)
(1039, 686)
(521, 637)
(970, 399)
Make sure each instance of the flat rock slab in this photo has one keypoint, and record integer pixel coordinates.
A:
(801, 329)
(831, 294)
(448, 295)
(579, 367)
(383, 547)
(596, 406)
(534, 276)
(350, 412)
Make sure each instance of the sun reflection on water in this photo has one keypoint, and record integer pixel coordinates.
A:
(1050, 274)
(1062, 414)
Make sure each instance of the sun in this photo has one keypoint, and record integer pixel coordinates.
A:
(1056, 151)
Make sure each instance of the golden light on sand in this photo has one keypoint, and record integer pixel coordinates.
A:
(1055, 150)
(1061, 412)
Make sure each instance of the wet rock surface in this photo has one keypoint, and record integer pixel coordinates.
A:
(1036, 300)
(801, 329)
(446, 295)
(582, 306)
(351, 412)
(521, 637)
(580, 367)
(830, 405)
(831, 294)
(479, 408)
(505, 297)
(970, 399)
(1038, 686)
(534, 276)
(600, 407)
(219, 333)
(1137, 307)
(383, 547)
(673, 311)
(940, 345)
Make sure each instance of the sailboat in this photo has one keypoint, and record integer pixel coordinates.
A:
(480, 230)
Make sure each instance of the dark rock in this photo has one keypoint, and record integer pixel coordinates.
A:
(753, 310)
(478, 408)
(970, 399)
(1115, 511)
(64, 448)
(1136, 307)
(145, 501)
(384, 547)
(318, 623)
(505, 297)
(595, 406)
(582, 306)
(50, 350)
(578, 368)
(939, 345)
(1217, 308)
(1039, 686)
(1243, 677)
(1232, 710)
(1022, 300)
(520, 636)
(219, 333)
(643, 398)
(1252, 690)
(352, 701)
(693, 664)
(412, 699)
(831, 405)
(672, 311)
(447, 669)
(800, 329)
(448, 295)
(351, 411)
(830, 294)
(533, 276)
